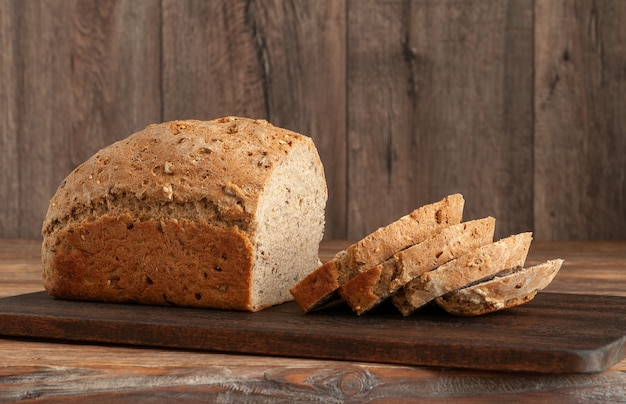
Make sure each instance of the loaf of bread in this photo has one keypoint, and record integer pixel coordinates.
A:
(320, 287)
(478, 264)
(224, 214)
(507, 289)
(368, 289)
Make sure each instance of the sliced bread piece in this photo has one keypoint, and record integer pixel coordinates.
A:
(320, 287)
(369, 288)
(507, 289)
(316, 289)
(481, 263)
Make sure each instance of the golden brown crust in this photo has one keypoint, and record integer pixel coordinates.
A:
(212, 171)
(118, 259)
(317, 288)
(167, 215)
(510, 289)
(358, 292)
(405, 232)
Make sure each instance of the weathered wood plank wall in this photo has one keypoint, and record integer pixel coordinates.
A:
(440, 101)
(519, 105)
(580, 119)
(75, 76)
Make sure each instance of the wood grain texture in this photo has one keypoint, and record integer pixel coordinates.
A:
(77, 67)
(75, 373)
(555, 333)
(9, 162)
(441, 102)
(276, 60)
(580, 127)
(210, 62)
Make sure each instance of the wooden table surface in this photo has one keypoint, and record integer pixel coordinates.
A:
(33, 370)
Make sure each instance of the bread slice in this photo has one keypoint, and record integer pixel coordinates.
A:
(318, 289)
(481, 263)
(507, 289)
(223, 214)
(368, 289)
(320, 286)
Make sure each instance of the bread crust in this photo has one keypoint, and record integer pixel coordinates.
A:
(209, 171)
(166, 216)
(480, 263)
(362, 294)
(174, 263)
(313, 291)
(321, 286)
(403, 233)
(510, 289)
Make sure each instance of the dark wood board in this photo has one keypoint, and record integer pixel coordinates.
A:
(554, 333)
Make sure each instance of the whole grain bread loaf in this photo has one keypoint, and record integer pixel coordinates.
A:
(320, 287)
(225, 214)
(368, 289)
(478, 264)
(507, 289)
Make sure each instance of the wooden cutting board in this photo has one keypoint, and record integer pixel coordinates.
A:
(552, 333)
